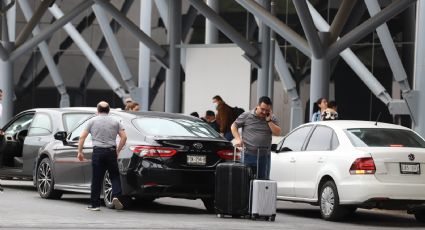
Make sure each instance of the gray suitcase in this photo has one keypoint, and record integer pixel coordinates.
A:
(263, 198)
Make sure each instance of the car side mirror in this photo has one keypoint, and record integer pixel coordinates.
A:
(273, 147)
(61, 135)
(285, 149)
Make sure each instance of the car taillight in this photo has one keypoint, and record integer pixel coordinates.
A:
(227, 154)
(152, 151)
(364, 165)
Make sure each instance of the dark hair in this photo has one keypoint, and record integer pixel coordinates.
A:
(266, 100)
(217, 97)
(317, 103)
(103, 109)
(332, 104)
(209, 113)
(195, 114)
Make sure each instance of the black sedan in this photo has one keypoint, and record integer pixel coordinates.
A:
(25, 133)
(166, 155)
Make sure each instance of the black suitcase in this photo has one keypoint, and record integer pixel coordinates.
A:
(232, 184)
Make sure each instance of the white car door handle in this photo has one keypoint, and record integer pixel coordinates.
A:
(292, 160)
(320, 160)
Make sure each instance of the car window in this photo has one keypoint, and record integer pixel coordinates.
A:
(155, 126)
(335, 141)
(295, 140)
(41, 125)
(75, 134)
(320, 140)
(71, 120)
(22, 123)
(382, 137)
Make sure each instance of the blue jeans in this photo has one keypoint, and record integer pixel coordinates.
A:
(104, 159)
(250, 159)
(228, 136)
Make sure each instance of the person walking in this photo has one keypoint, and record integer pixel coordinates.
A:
(224, 118)
(258, 126)
(104, 130)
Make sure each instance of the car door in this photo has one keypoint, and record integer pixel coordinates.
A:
(309, 162)
(12, 145)
(283, 161)
(69, 171)
(39, 134)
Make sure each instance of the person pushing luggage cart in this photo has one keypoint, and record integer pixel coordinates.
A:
(258, 126)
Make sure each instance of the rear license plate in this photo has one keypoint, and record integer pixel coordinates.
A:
(196, 160)
(410, 168)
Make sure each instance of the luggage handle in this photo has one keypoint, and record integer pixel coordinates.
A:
(234, 152)
(258, 159)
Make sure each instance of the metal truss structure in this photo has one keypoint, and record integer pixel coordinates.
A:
(322, 44)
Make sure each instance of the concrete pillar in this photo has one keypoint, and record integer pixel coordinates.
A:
(320, 75)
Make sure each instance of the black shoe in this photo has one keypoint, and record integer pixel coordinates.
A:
(117, 204)
(91, 208)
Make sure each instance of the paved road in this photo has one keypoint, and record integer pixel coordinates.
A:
(22, 208)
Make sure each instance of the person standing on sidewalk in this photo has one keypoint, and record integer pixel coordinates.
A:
(104, 130)
(258, 126)
(224, 117)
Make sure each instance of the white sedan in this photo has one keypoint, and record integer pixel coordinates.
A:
(342, 165)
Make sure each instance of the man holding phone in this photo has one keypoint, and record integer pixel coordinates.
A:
(258, 126)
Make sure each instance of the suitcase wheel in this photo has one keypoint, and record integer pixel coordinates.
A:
(272, 218)
(220, 215)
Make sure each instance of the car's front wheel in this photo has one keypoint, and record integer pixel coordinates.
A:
(330, 208)
(420, 216)
(45, 181)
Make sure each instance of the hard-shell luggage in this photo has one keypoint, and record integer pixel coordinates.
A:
(263, 197)
(232, 185)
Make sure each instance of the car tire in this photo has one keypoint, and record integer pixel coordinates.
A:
(420, 216)
(45, 181)
(107, 191)
(330, 208)
(209, 204)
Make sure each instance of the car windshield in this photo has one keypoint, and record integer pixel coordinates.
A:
(378, 137)
(175, 127)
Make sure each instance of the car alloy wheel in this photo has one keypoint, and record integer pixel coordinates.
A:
(330, 209)
(45, 182)
(107, 191)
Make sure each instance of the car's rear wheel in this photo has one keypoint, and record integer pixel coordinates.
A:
(209, 204)
(107, 191)
(420, 216)
(45, 181)
(330, 208)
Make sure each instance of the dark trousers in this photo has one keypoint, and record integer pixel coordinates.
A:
(263, 164)
(104, 159)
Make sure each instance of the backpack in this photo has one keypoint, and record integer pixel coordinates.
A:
(237, 111)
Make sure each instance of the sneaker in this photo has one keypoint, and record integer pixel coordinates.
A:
(91, 208)
(117, 204)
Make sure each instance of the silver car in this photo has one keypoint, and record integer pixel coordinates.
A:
(24, 134)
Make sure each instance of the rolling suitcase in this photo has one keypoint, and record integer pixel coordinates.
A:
(232, 184)
(263, 197)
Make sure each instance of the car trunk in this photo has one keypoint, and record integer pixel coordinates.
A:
(398, 164)
(194, 154)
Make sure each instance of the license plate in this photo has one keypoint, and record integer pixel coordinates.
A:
(410, 168)
(196, 160)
